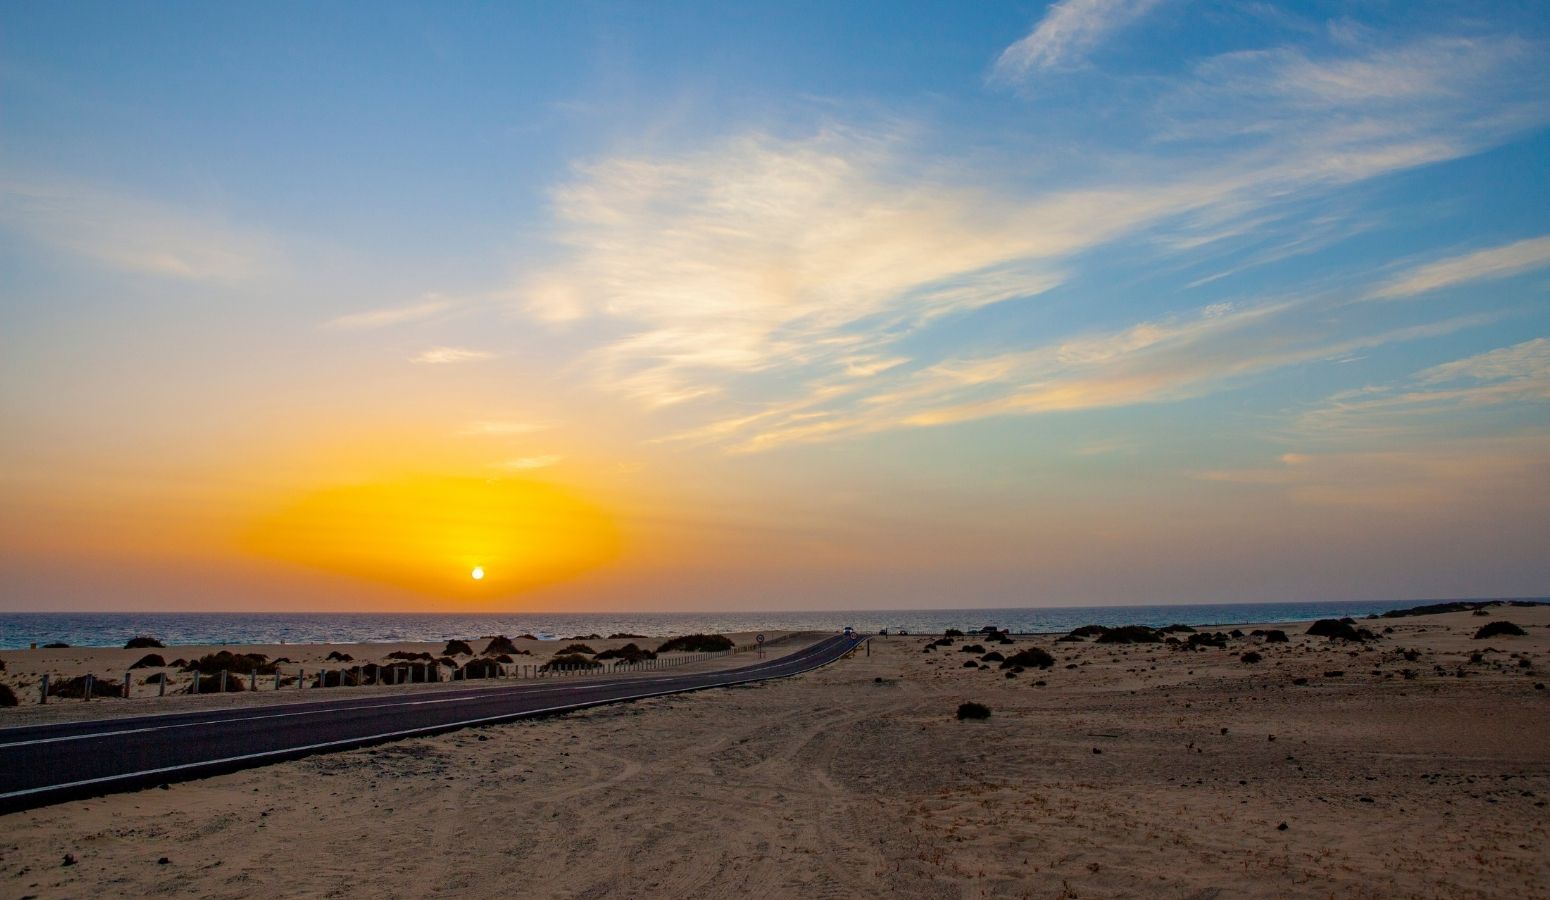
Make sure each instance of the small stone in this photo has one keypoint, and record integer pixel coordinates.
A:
(69, 860)
(163, 861)
(1281, 827)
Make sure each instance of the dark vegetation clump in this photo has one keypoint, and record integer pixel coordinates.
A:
(1336, 673)
(1129, 634)
(7, 696)
(571, 661)
(500, 644)
(149, 661)
(503, 658)
(143, 642)
(227, 661)
(1089, 630)
(1251, 657)
(1276, 636)
(1073, 639)
(968, 711)
(624, 636)
(1032, 658)
(57, 645)
(697, 643)
(1235, 633)
(481, 668)
(952, 632)
(1176, 629)
(1341, 629)
(336, 656)
(941, 642)
(630, 653)
(992, 656)
(971, 648)
(970, 664)
(1492, 629)
(155, 678)
(76, 688)
(407, 656)
(457, 648)
(576, 648)
(329, 678)
(447, 661)
(1204, 639)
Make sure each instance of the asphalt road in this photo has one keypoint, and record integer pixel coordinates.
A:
(44, 764)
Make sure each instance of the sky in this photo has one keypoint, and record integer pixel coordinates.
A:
(742, 306)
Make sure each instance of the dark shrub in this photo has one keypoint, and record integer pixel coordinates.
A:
(1299, 681)
(630, 653)
(992, 656)
(970, 664)
(1502, 626)
(1073, 639)
(1176, 629)
(1336, 628)
(1129, 634)
(571, 661)
(447, 661)
(971, 648)
(56, 646)
(622, 636)
(76, 687)
(586, 637)
(148, 661)
(1334, 674)
(236, 663)
(329, 678)
(143, 642)
(1251, 657)
(504, 658)
(336, 656)
(697, 643)
(1235, 633)
(1207, 640)
(7, 696)
(973, 711)
(500, 644)
(1032, 657)
(406, 655)
(942, 642)
(1276, 636)
(155, 678)
(952, 632)
(576, 648)
(1089, 630)
(481, 668)
(457, 648)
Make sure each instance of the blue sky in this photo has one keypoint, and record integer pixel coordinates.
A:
(925, 304)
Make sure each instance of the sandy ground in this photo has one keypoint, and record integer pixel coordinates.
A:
(1135, 770)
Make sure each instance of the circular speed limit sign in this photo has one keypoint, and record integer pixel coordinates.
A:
(759, 638)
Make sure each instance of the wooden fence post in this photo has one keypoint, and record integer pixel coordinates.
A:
(126, 685)
(43, 696)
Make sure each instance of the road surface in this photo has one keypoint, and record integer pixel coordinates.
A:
(43, 764)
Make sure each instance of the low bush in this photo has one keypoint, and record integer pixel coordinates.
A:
(457, 648)
(336, 656)
(1276, 636)
(970, 664)
(144, 642)
(1339, 629)
(1176, 629)
(500, 644)
(952, 632)
(149, 661)
(971, 648)
(571, 661)
(1502, 627)
(697, 643)
(481, 668)
(629, 653)
(1251, 657)
(407, 656)
(967, 711)
(1032, 658)
(576, 648)
(7, 696)
(1089, 630)
(624, 636)
(227, 661)
(992, 656)
(76, 688)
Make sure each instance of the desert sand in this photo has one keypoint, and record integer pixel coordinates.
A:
(1123, 770)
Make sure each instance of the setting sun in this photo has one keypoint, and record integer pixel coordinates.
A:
(413, 532)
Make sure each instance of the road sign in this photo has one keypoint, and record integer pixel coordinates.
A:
(759, 638)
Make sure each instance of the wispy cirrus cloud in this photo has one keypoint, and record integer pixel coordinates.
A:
(130, 233)
(797, 289)
(1069, 30)
(1496, 262)
(441, 356)
(525, 463)
(430, 306)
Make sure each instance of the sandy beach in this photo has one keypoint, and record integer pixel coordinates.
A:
(1121, 770)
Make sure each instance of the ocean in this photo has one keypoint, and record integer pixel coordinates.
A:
(99, 629)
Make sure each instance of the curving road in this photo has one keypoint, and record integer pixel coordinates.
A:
(43, 764)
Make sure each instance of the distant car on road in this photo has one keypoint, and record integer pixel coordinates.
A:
(850, 631)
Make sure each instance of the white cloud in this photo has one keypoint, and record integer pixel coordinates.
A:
(438, 356)
(1069, 30)
(1497, 262)
(130, 233)
(431, 305)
